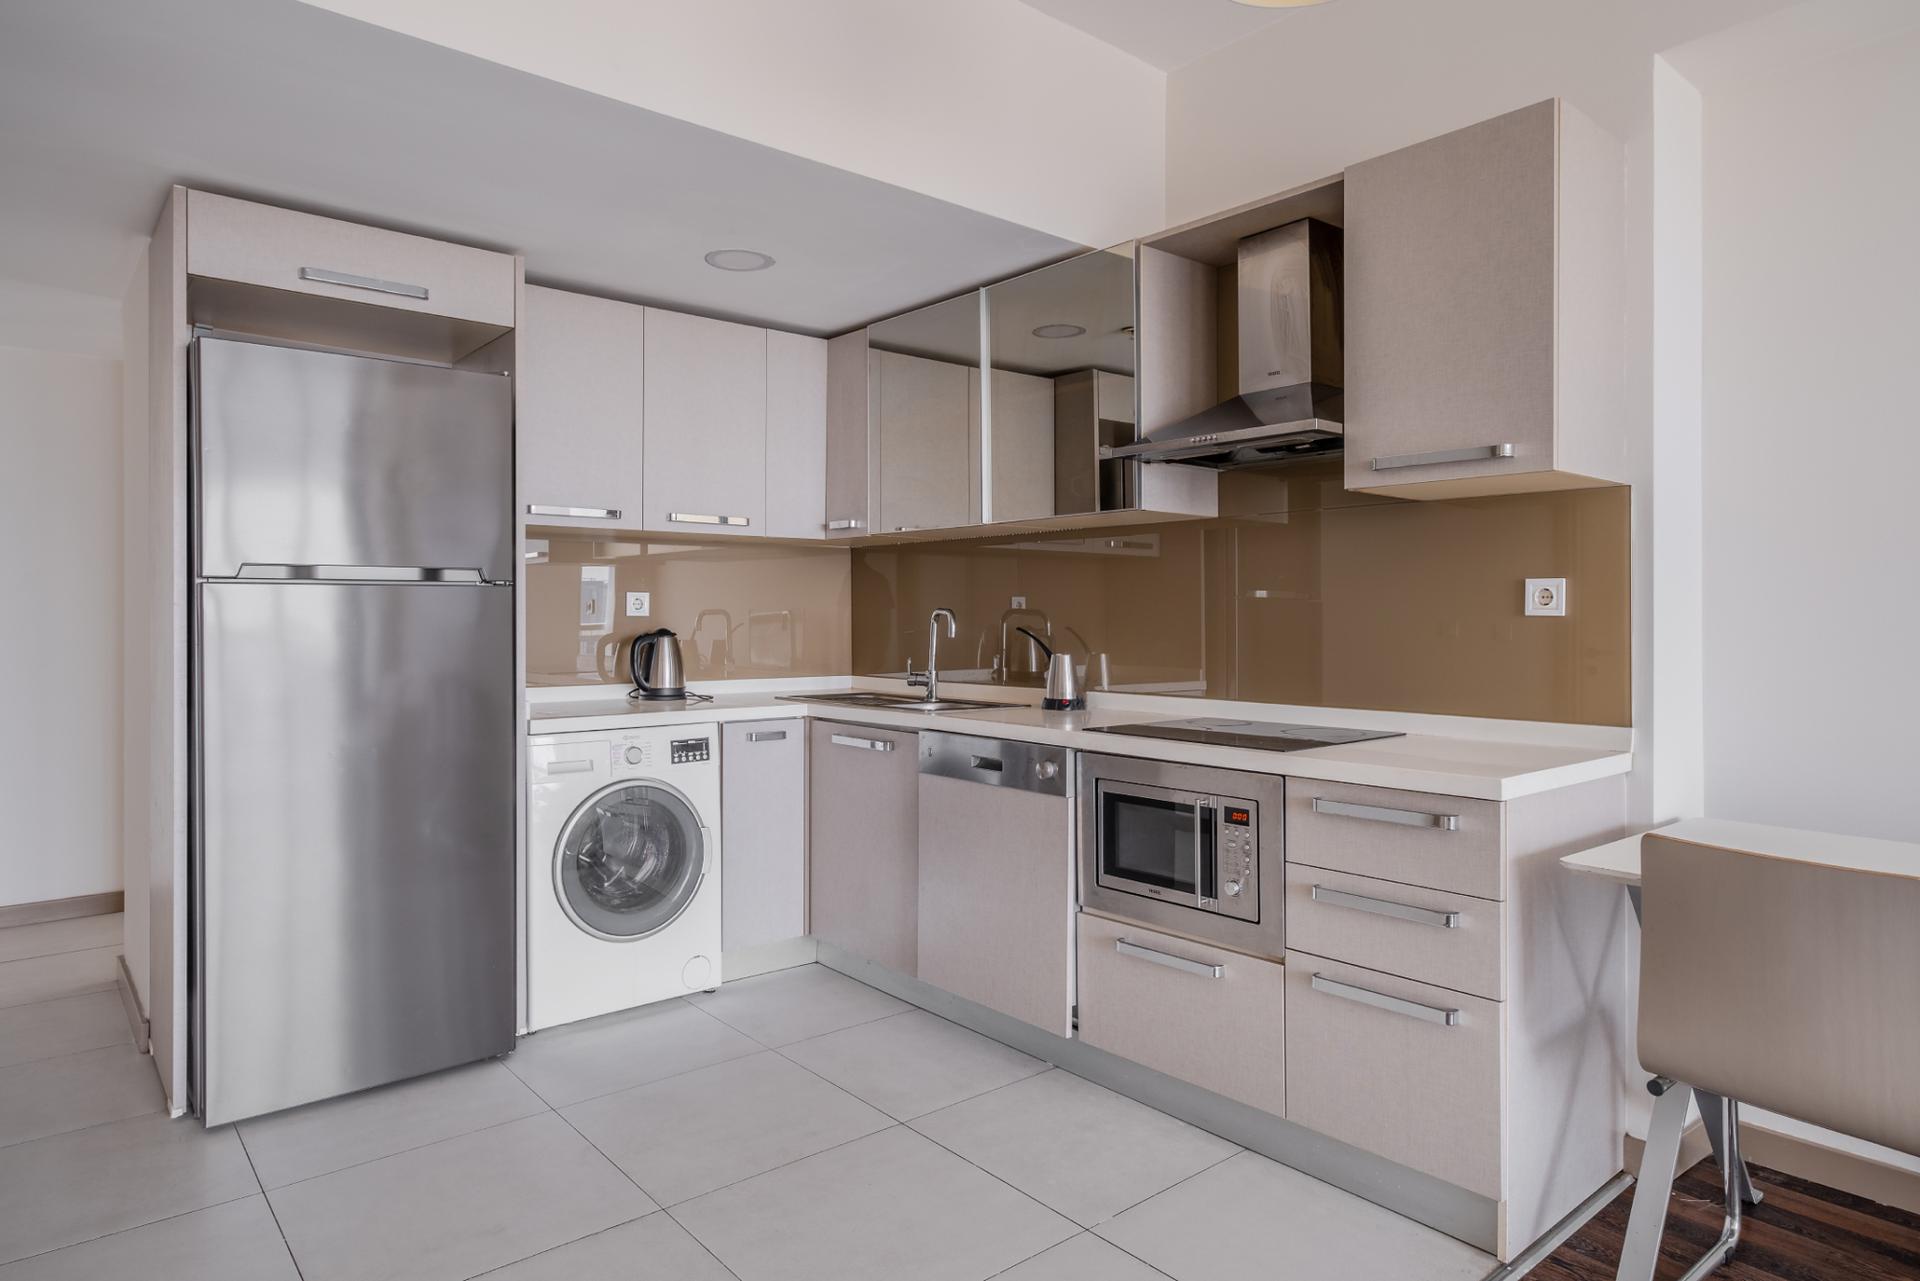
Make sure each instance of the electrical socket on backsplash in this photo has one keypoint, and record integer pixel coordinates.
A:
(1546, 597)
(639, 604)
(1019, 602)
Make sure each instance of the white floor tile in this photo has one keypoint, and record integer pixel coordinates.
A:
(41, 978)
(1084, 1258)
(651, 1249)
(792, 1005)
(83, 1184)
(908, 1065)
(237, 1241)
(51, 1096)
(456, 1208)
(888, 1207)
(1251, 1219)
(705, 1129)
(63, 1025)
(1082, 1149)
(569, 1064)
(50, 938)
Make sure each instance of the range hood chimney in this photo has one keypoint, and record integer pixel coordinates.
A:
(1291, 363)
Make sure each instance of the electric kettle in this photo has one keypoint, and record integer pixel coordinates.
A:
(1064, 692)
(654, 663)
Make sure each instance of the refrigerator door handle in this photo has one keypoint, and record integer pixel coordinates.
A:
(258, 572)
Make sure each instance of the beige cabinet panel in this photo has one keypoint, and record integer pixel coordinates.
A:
(1436, 936)
(853, 458)
(996, 899)
(796, 436)
(763, 832)
(577, 403)
(1402, 1069)
(1146, 996)
(1463, 341)
(922, 407)
(1416, 838)
(1020, 447)
(705, 425)
(863, 838)
(256, 244)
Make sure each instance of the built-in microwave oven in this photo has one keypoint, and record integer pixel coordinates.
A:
(1185, 848)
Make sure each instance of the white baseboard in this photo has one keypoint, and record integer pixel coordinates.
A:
(745, 962)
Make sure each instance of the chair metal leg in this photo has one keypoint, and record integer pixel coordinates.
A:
(1646, 1223)
(1711, 1118)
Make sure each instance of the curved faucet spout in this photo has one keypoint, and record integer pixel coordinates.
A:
(929, 680)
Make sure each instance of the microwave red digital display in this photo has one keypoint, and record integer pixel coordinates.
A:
(1240, 818)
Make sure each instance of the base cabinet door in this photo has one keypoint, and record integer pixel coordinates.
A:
(863, 825)
(1402, 1069)
(763, 809)
(1197, 1013)
(996, 899)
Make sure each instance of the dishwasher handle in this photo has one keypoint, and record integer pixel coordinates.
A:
(994, 762)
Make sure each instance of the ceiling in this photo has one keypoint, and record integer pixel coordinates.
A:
(107, 102)
(1163, 33)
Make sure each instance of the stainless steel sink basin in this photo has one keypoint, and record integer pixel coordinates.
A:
(895, 702)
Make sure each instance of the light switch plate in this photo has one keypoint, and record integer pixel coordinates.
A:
(1547, 597)
(639, 604)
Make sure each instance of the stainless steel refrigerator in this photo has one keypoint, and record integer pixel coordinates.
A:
(353, 723)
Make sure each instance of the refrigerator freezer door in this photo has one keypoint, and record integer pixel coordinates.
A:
(313, 458)
(355, 861)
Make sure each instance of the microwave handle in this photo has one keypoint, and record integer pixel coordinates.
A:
(1206, 858)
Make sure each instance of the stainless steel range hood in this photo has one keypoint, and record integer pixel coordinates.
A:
(1291, 364)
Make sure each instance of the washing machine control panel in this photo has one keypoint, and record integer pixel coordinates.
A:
(690, 749)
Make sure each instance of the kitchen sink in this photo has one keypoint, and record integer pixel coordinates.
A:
(896, 702)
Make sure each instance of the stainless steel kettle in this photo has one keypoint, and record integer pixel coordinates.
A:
(654, 663)
(1064, 692)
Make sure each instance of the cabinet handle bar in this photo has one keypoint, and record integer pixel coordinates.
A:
(1474, 454)
(1381, 1001)
(701, 518)
(1168, 959)
(765, 735)
(870, 744)
(1386, 907)
(837, 525)
(1385, 814)
(588, 513)
(320, 275)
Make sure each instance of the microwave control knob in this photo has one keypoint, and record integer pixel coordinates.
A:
(1232, 888)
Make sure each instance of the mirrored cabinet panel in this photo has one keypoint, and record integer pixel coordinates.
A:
(1061, 351)
(923, 377)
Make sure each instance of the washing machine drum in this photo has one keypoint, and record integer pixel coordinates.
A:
(629, 861)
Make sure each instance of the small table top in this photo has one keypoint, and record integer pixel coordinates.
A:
(1620, 860)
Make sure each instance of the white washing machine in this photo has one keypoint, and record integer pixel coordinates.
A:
(623, 866)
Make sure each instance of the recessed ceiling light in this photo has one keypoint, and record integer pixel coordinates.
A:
(1059, 331)
(739, 260)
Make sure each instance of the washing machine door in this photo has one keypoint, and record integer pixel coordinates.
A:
(629, 861)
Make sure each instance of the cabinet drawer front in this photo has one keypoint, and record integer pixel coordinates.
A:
(1441, 937)
(1402, 1069)
(257, 244)
(1416, 838)
(1197, 1013)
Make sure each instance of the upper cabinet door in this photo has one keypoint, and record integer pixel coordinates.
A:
(920, 395)
(705, 426)
(1483, 310)
(796, 436)
(580, 387)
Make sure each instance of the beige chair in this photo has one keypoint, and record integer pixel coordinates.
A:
(1780, 969)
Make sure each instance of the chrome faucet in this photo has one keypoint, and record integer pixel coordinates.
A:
(930, 679)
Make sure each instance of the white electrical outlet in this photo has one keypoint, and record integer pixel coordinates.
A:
(1019, 602)
(639, 604)
(1547, 597)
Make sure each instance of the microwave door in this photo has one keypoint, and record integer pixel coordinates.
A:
(1149, 842)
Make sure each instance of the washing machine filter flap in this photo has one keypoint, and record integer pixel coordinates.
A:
(629, 860)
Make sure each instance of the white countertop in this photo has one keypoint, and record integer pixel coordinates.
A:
(1620, 860)
(1453, 764)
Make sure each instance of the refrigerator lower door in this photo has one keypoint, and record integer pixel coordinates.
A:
(354, 837)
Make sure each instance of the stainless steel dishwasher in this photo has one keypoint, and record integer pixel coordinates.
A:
(997, 875)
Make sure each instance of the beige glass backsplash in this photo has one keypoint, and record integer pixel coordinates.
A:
(1299, 593)
(740, 610)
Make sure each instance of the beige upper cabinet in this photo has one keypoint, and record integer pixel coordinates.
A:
(921, 406)
(796, 436)
(255, 244)
(705, 426)
(1483, 310)
(581, 364)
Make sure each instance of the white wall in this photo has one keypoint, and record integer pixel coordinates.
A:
(60, 645)
(989, 104)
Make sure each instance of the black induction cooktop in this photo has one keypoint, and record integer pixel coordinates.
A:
(1265, 736)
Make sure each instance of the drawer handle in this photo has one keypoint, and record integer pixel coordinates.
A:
(765, 735)
(1381, 1001)
(1386, 907)
(1478, 453)
(586, 513)
(993, 763)
(870, 744)
(700, 518)
(1169, 960)
(1382, 814)
(837, 525)
(320, 275)
(568, 767)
